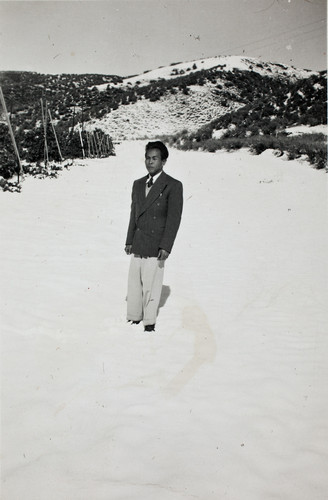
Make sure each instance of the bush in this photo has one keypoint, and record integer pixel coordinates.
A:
(313, 146)
(211, 145)
(8, 162)
(8, 165)
(232, 143)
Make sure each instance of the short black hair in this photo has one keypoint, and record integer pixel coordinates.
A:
(158, 145)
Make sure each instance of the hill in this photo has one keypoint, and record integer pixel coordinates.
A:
(207, 99)
(169, 100)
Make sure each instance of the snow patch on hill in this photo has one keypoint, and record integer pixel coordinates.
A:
(169, 115)
(306, 129)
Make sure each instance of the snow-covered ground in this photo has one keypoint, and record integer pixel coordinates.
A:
(228, 398)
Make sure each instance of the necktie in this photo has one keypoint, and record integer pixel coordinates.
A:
(150, 182)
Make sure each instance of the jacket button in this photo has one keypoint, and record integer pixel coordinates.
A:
(154, 217)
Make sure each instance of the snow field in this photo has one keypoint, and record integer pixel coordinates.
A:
(227, 399)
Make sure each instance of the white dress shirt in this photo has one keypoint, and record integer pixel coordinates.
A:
(155, 177)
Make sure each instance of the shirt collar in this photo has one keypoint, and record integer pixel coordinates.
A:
(155, 177)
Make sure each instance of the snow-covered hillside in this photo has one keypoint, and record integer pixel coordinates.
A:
(168, 115)
(189, 95)
(227, 63)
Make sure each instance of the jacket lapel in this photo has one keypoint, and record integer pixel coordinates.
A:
(154, 193)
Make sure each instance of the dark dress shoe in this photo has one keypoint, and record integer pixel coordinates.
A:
(134, 322)
(149, 328)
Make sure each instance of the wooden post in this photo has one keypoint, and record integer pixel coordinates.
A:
(88, 141)
(90, 146)
(94, 151)
(73, 122)
(99, 145)
(54, 131)
(82, 117)
(44, 121)
(20, 169)
(102, 146)
(81, 140)
(108, 146)
(95, 144)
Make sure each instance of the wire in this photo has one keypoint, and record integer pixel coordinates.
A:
(292, 38)
(273, 36)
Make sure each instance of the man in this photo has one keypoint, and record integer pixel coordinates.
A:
(154, 222)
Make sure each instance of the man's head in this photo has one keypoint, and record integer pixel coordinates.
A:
(155, 157)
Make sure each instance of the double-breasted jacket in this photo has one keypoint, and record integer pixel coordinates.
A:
(155, 218)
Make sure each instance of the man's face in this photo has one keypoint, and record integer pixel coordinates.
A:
(154, 162)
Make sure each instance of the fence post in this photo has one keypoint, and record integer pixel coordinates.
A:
(20, 168)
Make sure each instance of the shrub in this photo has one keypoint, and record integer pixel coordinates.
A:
(211, 145)
(8, 165)
(311, 145)
(232, 143)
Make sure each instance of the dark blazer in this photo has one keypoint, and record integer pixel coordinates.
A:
(155, 219)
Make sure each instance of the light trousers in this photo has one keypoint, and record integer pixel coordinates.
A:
(145, 282)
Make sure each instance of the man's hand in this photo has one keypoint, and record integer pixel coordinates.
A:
(162, 254)
(128, 249)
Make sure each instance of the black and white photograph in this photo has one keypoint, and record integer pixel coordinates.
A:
(164, 280)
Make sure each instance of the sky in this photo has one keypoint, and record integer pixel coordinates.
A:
(128, 37)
